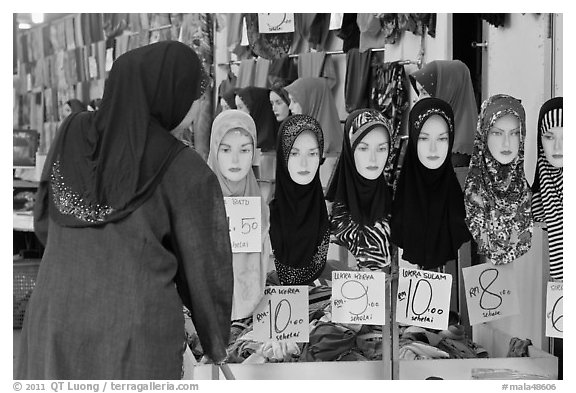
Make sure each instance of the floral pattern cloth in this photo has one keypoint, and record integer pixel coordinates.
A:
(497, 196)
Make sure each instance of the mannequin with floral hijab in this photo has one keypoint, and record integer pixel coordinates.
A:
(497, 196)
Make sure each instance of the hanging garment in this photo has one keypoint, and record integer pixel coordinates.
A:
(246, 73)
(299, 227)
(282, 70)
(349, 32)
(428, 210)
(261, 72)
(257, 99)
(302, 24)
(319, 31)
(548, 188)
(316, 99)
(497, 196)
(270, 45)
(418, 23)
(389, 95)
(450, 81)
(495, 20)
(377, 30)
(108, 298)
(249, 268)
(357, 78)
(361, 209)
(317, 64)
(234, 30)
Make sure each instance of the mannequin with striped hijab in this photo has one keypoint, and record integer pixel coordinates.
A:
(548, 197)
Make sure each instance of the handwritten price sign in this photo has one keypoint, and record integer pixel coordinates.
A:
(555, 310)
(490, 292)
(244, 220)
(423, 298)
(282, 315)
(275, 23)
(358, 297)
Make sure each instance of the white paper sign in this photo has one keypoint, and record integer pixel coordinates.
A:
(276, 23)
(245, 220)
(423, 298)
(490, 292)
(358, 297)
(336, 21)
(555, 310)
(282, 314)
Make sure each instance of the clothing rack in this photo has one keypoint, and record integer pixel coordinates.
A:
(152, 29)
(334, 52)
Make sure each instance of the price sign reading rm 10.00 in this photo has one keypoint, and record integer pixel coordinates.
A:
(423, 298)
(282, 314)
(245, 220)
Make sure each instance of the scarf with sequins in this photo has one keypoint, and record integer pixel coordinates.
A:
(548, 188)
(428, 209)
(497, 196)
(105, 164)
(298, 215)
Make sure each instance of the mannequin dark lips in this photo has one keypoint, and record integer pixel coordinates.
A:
(235, 169)
(433, 158)
(506, 152)
(304, 173)
(372, 168)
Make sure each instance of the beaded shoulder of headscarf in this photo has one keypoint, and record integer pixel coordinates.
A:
(422, 117)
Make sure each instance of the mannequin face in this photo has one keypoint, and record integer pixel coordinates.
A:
(371, 153)
(185, 123)
(294, 107)
(433, 142)
(504, 139)
(235, 154)
(240, 105)
(304, 158)
(224, 104)
(279, 107)
(552, 142)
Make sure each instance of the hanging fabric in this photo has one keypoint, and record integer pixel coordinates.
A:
(357, 77)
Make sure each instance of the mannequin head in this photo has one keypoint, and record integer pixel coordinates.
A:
(433, 142)
(371, 153)
(294, 107)
(235, 154)
(552, 143)
(240, 105)
(279, 106)
(504, 139)
(304, 158)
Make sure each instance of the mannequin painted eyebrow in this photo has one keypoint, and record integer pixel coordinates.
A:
(244, 144)
(295, 149)
(500, 129)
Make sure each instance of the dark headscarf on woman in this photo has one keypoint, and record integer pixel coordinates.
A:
(450, 81)
(366, 200)
(299, 230)
(229, 96)
(257, 99)
(548, 188)
(76, 105)
(105, 164)
(428, 209)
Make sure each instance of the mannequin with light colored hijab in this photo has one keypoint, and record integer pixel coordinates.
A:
(232, 147)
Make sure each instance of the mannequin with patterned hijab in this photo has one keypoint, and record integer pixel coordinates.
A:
(548, 187)
(234, 135)
(497, 196)
(362, 200)
(299, 228)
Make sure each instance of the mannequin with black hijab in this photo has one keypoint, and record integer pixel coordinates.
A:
(257, 101)
(361, 209)
(299, 230)
(428, 215)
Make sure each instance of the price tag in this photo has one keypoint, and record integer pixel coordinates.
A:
(554, 310)
(245, 220)
(490, 292)
(276, 23)
(423, 298)
(358, 297)
(282, 314)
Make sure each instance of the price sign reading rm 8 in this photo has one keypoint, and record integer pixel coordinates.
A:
(244, 221)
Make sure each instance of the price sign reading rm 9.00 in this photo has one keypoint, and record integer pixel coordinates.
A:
(245, 220)
(282, 314)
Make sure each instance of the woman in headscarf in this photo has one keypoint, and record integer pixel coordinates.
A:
(361, 196)
(450, 81)
(134, 227)
(232, 147)
(428, 209)
(548, 186)
(497, 195)
(256, 102)
(313, 97)
(299, 227)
